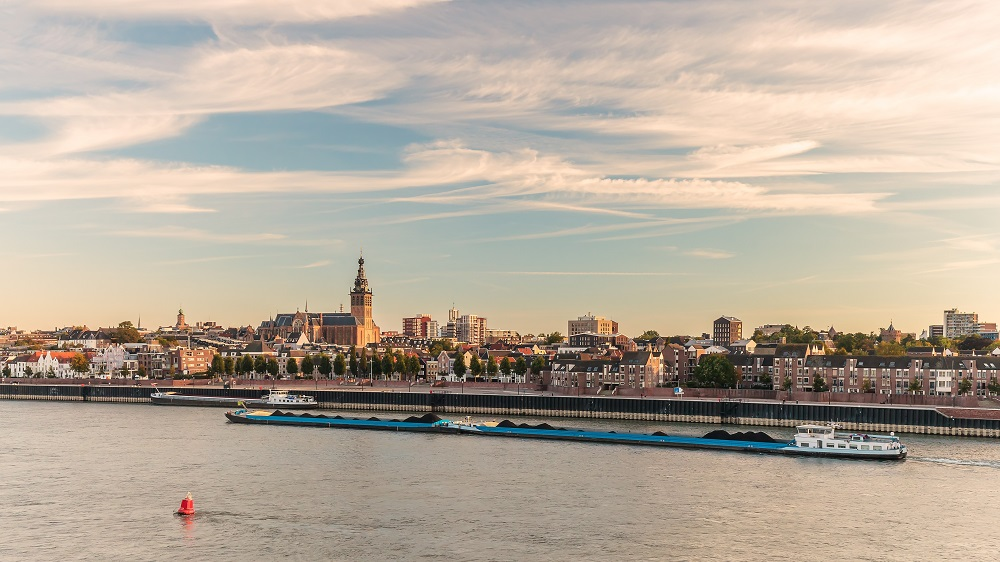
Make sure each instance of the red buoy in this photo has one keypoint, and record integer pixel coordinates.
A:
(187, 506)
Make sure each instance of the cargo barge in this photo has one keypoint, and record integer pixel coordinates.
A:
(809, 440)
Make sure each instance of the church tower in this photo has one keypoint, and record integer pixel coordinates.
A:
(361, 303)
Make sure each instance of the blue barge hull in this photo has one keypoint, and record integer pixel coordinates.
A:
(579, 435)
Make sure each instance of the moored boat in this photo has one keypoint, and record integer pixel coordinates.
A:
(273, 399)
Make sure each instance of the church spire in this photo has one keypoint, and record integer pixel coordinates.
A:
(361, 282)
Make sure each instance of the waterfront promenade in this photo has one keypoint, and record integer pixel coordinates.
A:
(526, 400)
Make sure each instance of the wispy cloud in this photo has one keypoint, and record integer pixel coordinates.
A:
(591, 273)
(180, 233)
(709, 254)
(315, 264)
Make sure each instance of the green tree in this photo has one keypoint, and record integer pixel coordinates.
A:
(325, 367)
(915, 386)
(520, 367)
(819, 385)
(339, 365)
(272, 367)
(994, 386)
(292, 367)
(554, 337)
(308, 366)
(352, 357)
(537, 365)
(260, 365)
(217, 366)
(890, 349)
(6, 371)
(229, 365)
(399, 364)
(475, 366)
(142, 372)
(786, 383)
(492, 368)
(28, 372)
(965, 386)
(413, 366)
(648, 335)
(459, 365)
(387, 364)
(974, 342)
(505, 367)
(441, 345)
(247, 362)
(866, 386)
(716, 371)
(79, 363)
(363, 362)
(125, 333)
(376, 366)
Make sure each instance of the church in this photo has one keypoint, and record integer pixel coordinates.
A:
(337, 328)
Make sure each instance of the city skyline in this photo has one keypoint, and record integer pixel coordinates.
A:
(660, 164)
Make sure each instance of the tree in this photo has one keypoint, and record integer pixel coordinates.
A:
(819, 385)
(459, 365)
(475, 366)
(79, 363)
(648, 335)
(537, 365)
(766, 381)
(260, 365)
(965, 386)
(272, 367)
(413, 366)
(292, 367)
(554, 337)
(716, 371)
(308, 366)
(247, 364)
(228, 365)
(786, 383)
(440, 345)
(28, 372)
(6, 371)
(915, 386)
(890, 349)
(399, 364)
(993, 387)
(376, 366)
(973, 342)
(363, 361)
(866, 385)
(325, 367)
(217, 366)
(492, 368)
(125, 333)
(387, 364)
(339, 365)
(141, 372)
(520, 367)
(505, 367)
(352, 357)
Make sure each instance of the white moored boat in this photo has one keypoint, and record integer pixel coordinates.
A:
(282, 398)
(824, 441)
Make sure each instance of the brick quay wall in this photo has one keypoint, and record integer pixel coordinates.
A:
(940, 420)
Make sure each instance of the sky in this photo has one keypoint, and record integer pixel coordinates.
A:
(659, 163)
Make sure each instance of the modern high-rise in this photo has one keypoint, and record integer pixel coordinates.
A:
(470, 329)
(726, 330)
(420, 326)
(590, 324)
(960, 324)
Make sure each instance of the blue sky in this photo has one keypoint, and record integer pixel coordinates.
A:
(661, 163)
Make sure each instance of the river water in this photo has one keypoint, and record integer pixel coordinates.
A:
(101, 482)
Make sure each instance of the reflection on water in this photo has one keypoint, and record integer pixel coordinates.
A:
(102, 481)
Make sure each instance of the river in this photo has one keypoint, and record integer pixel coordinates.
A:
(84, 481)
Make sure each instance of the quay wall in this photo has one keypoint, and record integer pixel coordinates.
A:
(866, 418)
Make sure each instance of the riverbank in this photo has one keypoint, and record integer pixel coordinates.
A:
(973, 422)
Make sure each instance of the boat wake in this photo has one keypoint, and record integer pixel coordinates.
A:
(958, 462)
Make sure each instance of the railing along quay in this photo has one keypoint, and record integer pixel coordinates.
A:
(848, 417)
